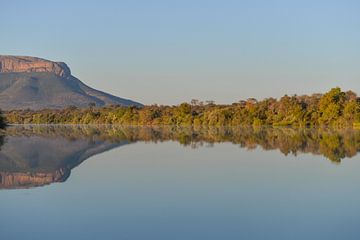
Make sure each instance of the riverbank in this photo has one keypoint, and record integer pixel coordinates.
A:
(334, 108)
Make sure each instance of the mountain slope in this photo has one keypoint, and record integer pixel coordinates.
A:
(34, 83)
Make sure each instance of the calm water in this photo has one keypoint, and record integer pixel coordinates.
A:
(179, 183)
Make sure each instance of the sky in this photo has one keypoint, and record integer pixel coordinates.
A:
(168, 52)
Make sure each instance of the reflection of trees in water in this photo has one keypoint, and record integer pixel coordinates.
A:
(333, 144)
(34, 156)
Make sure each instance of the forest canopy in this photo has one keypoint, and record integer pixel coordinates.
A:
(334, 108)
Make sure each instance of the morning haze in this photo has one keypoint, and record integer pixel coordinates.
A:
(169, 52)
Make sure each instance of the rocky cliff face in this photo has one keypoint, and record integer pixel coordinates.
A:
(35, 83)
(31, 64)
(10, 180)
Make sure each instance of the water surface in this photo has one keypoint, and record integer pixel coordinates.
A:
(62, 182)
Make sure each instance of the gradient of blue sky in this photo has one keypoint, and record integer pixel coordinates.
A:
(172, 51)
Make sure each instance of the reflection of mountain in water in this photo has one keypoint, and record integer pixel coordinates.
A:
(39, 155)
(32, 158)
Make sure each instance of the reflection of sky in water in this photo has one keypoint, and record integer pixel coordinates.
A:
(167, 191)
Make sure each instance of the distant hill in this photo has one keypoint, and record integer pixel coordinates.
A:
(35, 83)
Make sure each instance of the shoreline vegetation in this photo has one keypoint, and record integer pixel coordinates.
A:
(334, 108)
(2, 122)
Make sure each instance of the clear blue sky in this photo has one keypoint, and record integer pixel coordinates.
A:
(172, 51)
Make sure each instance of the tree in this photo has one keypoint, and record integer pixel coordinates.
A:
(2, 121)
(92, 105)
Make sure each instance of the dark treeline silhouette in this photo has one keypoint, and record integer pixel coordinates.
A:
(334, 108)
(2, 121)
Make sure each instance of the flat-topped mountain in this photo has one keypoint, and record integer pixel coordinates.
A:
(36, 83)
(9, 64)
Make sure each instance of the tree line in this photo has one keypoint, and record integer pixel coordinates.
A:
(334, 108)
